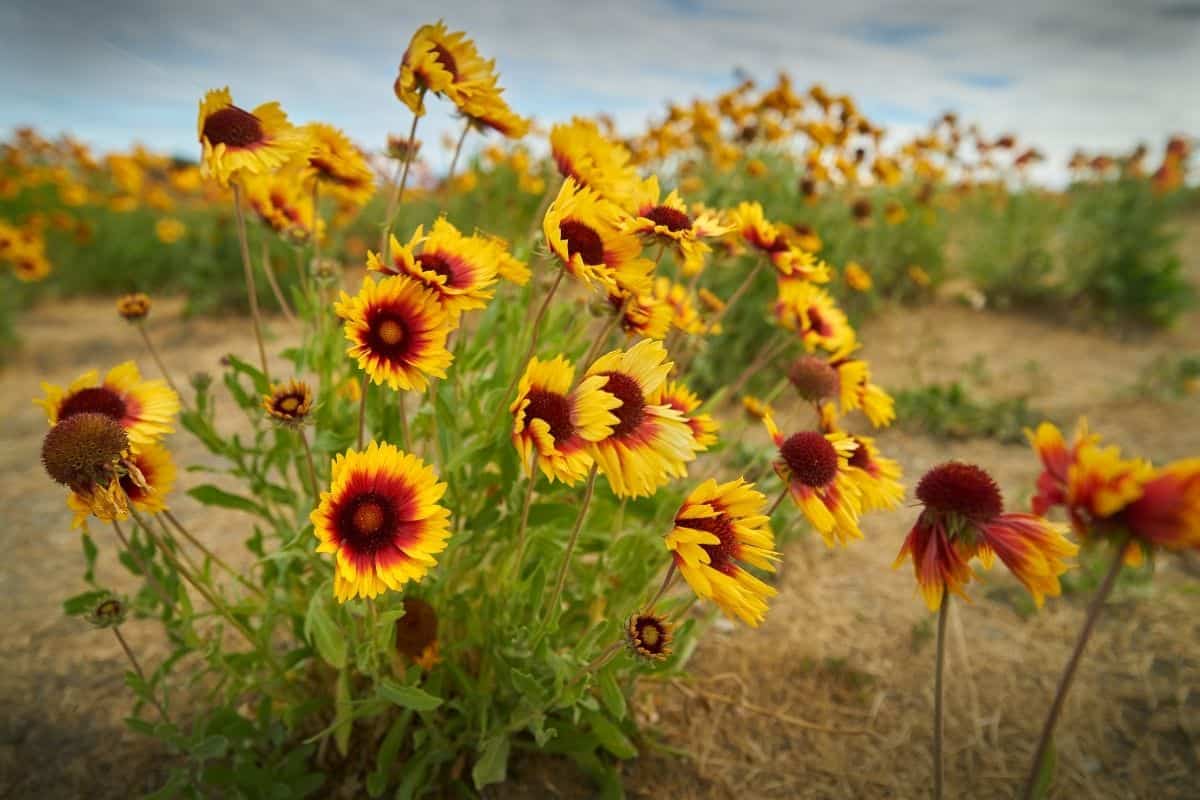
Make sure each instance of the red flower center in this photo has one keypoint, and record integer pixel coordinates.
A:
(365, 523)
(233, 127)
(861, 458)
(811, 457)
(442, 265)
(813, 377)
(958, 488)
(721, 555)
(818, 323)
(672, 219)
(97, 399)
(446, 60)
(632, 410)
(554, 410)
(583, 241)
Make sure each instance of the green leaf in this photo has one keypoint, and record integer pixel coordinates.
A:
(408, 696)
(324, 633)
(210, 495)
(492, 766)
(83, 603)
(610, 736)
(611, 694)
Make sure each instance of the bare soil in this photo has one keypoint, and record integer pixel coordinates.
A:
(831, 697)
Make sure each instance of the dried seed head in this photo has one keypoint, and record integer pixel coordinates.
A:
(133, 307)
(82, 450)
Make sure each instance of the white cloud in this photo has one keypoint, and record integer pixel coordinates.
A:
(1075, 74)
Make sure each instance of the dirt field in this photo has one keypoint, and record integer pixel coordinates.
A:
(831, 697)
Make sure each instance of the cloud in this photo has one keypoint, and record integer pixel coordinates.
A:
(1060, 75)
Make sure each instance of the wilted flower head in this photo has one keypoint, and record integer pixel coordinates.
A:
(649, 635)
(963, 517)
(133, 307)
(108, 611)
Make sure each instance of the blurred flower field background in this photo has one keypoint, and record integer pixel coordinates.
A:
(593, 464)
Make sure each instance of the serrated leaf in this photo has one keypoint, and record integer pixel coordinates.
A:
(492, 766)
(408, 696)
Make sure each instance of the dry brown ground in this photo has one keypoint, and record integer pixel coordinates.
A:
(831, 697)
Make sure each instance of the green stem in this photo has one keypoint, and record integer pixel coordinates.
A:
(248, 268)
(1068, 676)
(561, 580)
(938, 692)
(398, 191)
(162, 712)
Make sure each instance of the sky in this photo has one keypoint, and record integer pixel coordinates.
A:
(1061, 75)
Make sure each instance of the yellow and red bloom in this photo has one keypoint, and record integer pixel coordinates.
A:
(963, 517)
(649, 635)
(588, 234)
(857, 278)
(488, 111)
(815, 466)
(236, 142)
(289, 403)
(877, 478)
(397, 331)
(650, 443)
(335, 161)
(381, 520)
(460, 269)
(557, 424)
(683, 313)
(642, 316)
(855, 390)
(583, 154)
(668, 224)
(679, 397)
(282, 204)
(719, 527)
(812, 314)
(1168, 512)
(441, 62)
(144, 408)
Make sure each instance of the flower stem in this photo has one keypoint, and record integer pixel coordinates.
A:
(248, 268)
(1064, 682)
(274, 283)
(162, 712)
(143, 566)
(778, 500)
(405, 436)
(525, 506)
(457, 151)
(209, 554)
(398, 191)
(312, 468)
(362, 412)
(668, 579)
(537, 326)
(141, 326)
(741, 290)
(938, 688)
(561, 580)
(598, 343)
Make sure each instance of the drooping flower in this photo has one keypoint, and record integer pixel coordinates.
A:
(650, 443)
(556, 423)
(441, 62)
(963, 517)
(397, 331)
(855, 390)
(236, 142)
(877, 478)
(381, 520)
(337, 163)
(812, 314)
(718, 526)
(84, 453)
(144, 408)
(585, 155)
(1168, 512)
(642, 316)
(146, 478)
(815, 466)
(281, 202)
(588, 234)
(460, 269)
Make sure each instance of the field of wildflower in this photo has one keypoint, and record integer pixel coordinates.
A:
(753, 454)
